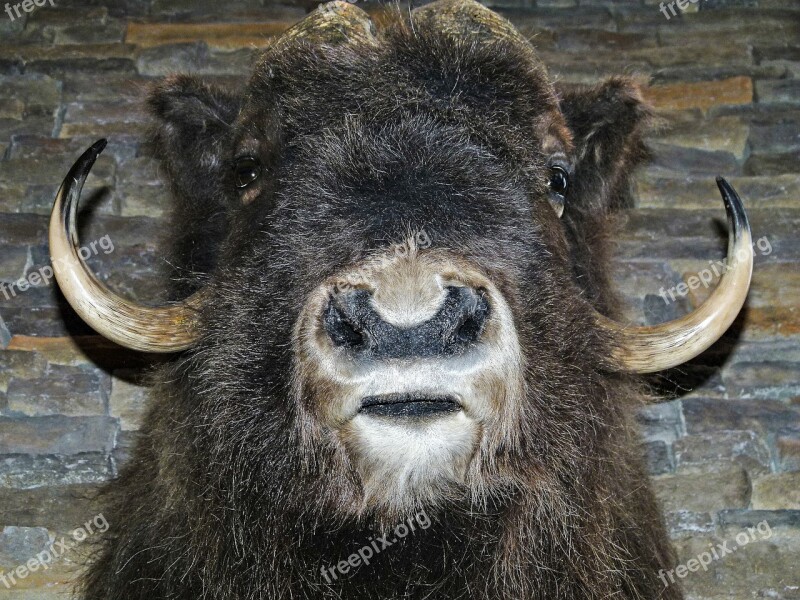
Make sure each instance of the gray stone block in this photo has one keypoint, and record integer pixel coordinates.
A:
(24, 471)
(57, 435)
(709, 450)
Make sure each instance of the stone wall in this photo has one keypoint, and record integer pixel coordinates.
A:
(724, 447)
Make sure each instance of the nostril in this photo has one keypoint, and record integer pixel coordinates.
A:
(341, 331)
(352, 323)
(473, 320)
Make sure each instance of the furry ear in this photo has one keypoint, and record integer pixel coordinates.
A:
(607, 123)
(192, 138)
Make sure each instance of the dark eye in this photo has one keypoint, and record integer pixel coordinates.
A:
(559, 180)
(246, 170)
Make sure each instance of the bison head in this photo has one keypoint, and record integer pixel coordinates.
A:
(394, 251)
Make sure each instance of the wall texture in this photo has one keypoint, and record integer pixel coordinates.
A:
(724, 446)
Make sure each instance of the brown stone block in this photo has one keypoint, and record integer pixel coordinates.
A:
(788, 453)
(699, 191)
(554, 18)
(777, 491)
(72, 391)
(22, 229)
(592, 39)
(59, 572)
(702, 95)
(704, 490)
(81, 350)
(57, 60)
(12, 108)
(63, 350)
(682, 160)
(93, 87)
(103, 118)
(770, 322)
(51, 592)
(18, 364)
(60, 509)
(20, 546)
(709, 27)
(740, 563)
(24, 147)
(695, 583)
(128, 399)
(225, 36)
(769, 163)
(235, 11)
(763, 564)
(724, 134)
(36, 92)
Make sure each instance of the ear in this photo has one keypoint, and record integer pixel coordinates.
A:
(192, 137)
(607, 123)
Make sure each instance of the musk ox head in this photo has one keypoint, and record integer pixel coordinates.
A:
(394, 247)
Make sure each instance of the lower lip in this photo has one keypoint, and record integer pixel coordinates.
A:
(406, 406)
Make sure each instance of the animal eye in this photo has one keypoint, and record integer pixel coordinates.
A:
(246, 170)
(559, 180)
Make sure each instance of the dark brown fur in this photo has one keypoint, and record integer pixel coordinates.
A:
(426, 130)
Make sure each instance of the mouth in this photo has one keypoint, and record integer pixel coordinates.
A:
(409, 405)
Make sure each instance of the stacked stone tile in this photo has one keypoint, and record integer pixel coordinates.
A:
(724, 448)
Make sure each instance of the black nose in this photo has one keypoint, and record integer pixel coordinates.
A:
(352, 322)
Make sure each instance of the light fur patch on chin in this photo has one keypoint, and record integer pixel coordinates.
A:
(402, 464)
(405, 464)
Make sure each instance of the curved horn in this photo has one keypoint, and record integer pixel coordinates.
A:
(658, 347)
(150, 329)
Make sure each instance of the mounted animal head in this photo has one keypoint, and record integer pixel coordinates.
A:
(394, 246)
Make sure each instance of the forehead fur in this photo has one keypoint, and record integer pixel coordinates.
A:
(492, 89)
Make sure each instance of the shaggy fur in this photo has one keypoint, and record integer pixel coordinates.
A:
(425, 130)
